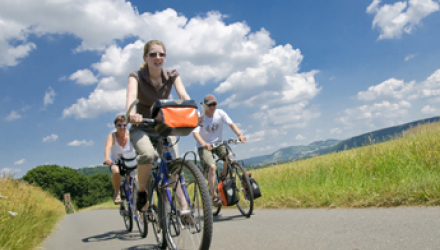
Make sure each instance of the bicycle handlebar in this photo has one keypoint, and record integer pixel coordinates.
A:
(146, 122)
(226, 142)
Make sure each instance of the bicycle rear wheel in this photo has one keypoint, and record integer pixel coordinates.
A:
(245, 195)
(187, 228)
(140, 216)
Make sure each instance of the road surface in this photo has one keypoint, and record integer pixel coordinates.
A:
(412, 228)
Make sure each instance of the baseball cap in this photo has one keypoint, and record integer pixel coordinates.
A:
(209, 99)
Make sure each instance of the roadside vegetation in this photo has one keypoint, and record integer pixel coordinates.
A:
(404, 171)
(27, 214)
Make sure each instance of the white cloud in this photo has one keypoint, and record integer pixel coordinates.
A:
(390, 88)
(81, 143)
(83, 77)
(335, 131)
(428, 110)
(299, 137)
(19, 162)
(49, 96)
(49, 138)
(409, 57)
(393, 20)
(13, 116)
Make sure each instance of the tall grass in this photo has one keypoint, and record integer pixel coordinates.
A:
(37, 214)
(404, 171)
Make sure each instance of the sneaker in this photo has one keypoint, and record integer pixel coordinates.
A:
(117, 198)
(216, 201)
(190, 220)
(141, 203)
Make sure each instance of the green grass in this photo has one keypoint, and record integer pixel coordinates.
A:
(404, 171)
(37, 214)
(109, 204)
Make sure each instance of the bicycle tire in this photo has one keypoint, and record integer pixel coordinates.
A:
(195, 230)
(245, 202)
(141, 220)
(156, 219)
(126, 215)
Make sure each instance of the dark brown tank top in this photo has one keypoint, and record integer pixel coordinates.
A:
(148, 92)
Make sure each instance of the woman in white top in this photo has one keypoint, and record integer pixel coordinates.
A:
(117, 143)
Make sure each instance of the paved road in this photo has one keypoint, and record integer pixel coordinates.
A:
(411, 228)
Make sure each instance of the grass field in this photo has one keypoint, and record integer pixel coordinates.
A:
(404, 171)
(37, 212)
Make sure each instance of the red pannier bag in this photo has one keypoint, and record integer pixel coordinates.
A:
(179, 117)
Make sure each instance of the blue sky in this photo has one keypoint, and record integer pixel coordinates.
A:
(287, 72)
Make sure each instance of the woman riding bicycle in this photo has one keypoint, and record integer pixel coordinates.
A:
(117, 143)
(150, 83)
(210, 131)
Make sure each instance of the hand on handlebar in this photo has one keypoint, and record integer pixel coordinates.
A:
(135, 118)
(207, 146)
(108, 162)
(242, 139)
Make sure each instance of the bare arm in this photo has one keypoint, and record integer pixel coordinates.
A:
(108, 147)
(132, 92)
(238, 133)
(201, 141)
(180, 89)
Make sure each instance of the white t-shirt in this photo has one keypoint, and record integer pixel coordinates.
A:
(212, 129)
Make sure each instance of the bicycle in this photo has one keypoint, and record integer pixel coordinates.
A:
(237, 172)
(171, 180)
(129, 189)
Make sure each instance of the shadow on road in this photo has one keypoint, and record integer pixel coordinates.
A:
(142, 247)
(222, 218)
(112, 235)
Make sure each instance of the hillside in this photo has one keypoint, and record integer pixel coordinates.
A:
(290, 153)
(377, 136)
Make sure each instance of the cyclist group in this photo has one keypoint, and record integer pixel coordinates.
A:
(150, 83)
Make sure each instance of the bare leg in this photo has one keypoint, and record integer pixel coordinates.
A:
(179, 193)
(212, 179)
(144, 172)
(116, 182)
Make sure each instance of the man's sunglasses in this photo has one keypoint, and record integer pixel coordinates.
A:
(121, 125)
(154, 55)
(212, 105)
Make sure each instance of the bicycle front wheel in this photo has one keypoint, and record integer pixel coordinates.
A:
(188, 210)
(156, 217)
(126, 215)
(245, 195)
(140, 216)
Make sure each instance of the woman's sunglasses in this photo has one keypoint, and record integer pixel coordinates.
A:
(154, 55)
(121, 125)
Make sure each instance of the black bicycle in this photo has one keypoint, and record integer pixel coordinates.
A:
(237, 172)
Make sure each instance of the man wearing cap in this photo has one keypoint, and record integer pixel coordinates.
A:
(211, 131)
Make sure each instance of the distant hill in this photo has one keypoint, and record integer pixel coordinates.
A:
(330, 146)
(290, 153)
(94, 170)
(377, 136)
